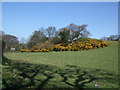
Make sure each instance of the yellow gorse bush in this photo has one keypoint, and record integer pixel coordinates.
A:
(25, 50)
(83, 45)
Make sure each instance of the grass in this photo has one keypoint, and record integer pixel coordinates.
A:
(103, 58)
(67, 69)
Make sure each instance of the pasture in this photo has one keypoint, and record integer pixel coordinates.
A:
(96, 68)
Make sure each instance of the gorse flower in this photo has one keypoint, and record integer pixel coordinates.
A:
(83, 45)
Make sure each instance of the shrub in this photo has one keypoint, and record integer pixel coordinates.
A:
(82, 45)
(24, 50)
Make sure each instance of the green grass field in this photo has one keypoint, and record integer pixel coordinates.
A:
(65, 69)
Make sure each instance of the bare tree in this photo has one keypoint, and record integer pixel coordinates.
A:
(50, 31)
(78, 31)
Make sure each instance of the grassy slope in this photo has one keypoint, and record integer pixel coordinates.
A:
(103, 58)
(51, 70)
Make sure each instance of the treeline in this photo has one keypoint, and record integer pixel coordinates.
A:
(8, 41)
(70, 34)
(112, 38)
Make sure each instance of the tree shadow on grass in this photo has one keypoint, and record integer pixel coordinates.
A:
(82, 77)
(21, 75)
(5, 61)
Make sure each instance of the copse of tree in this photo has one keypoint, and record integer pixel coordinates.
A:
(10, 40)
(73, 32)
(111, 38)
(65, 35)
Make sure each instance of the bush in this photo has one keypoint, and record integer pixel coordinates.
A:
(82, 45)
